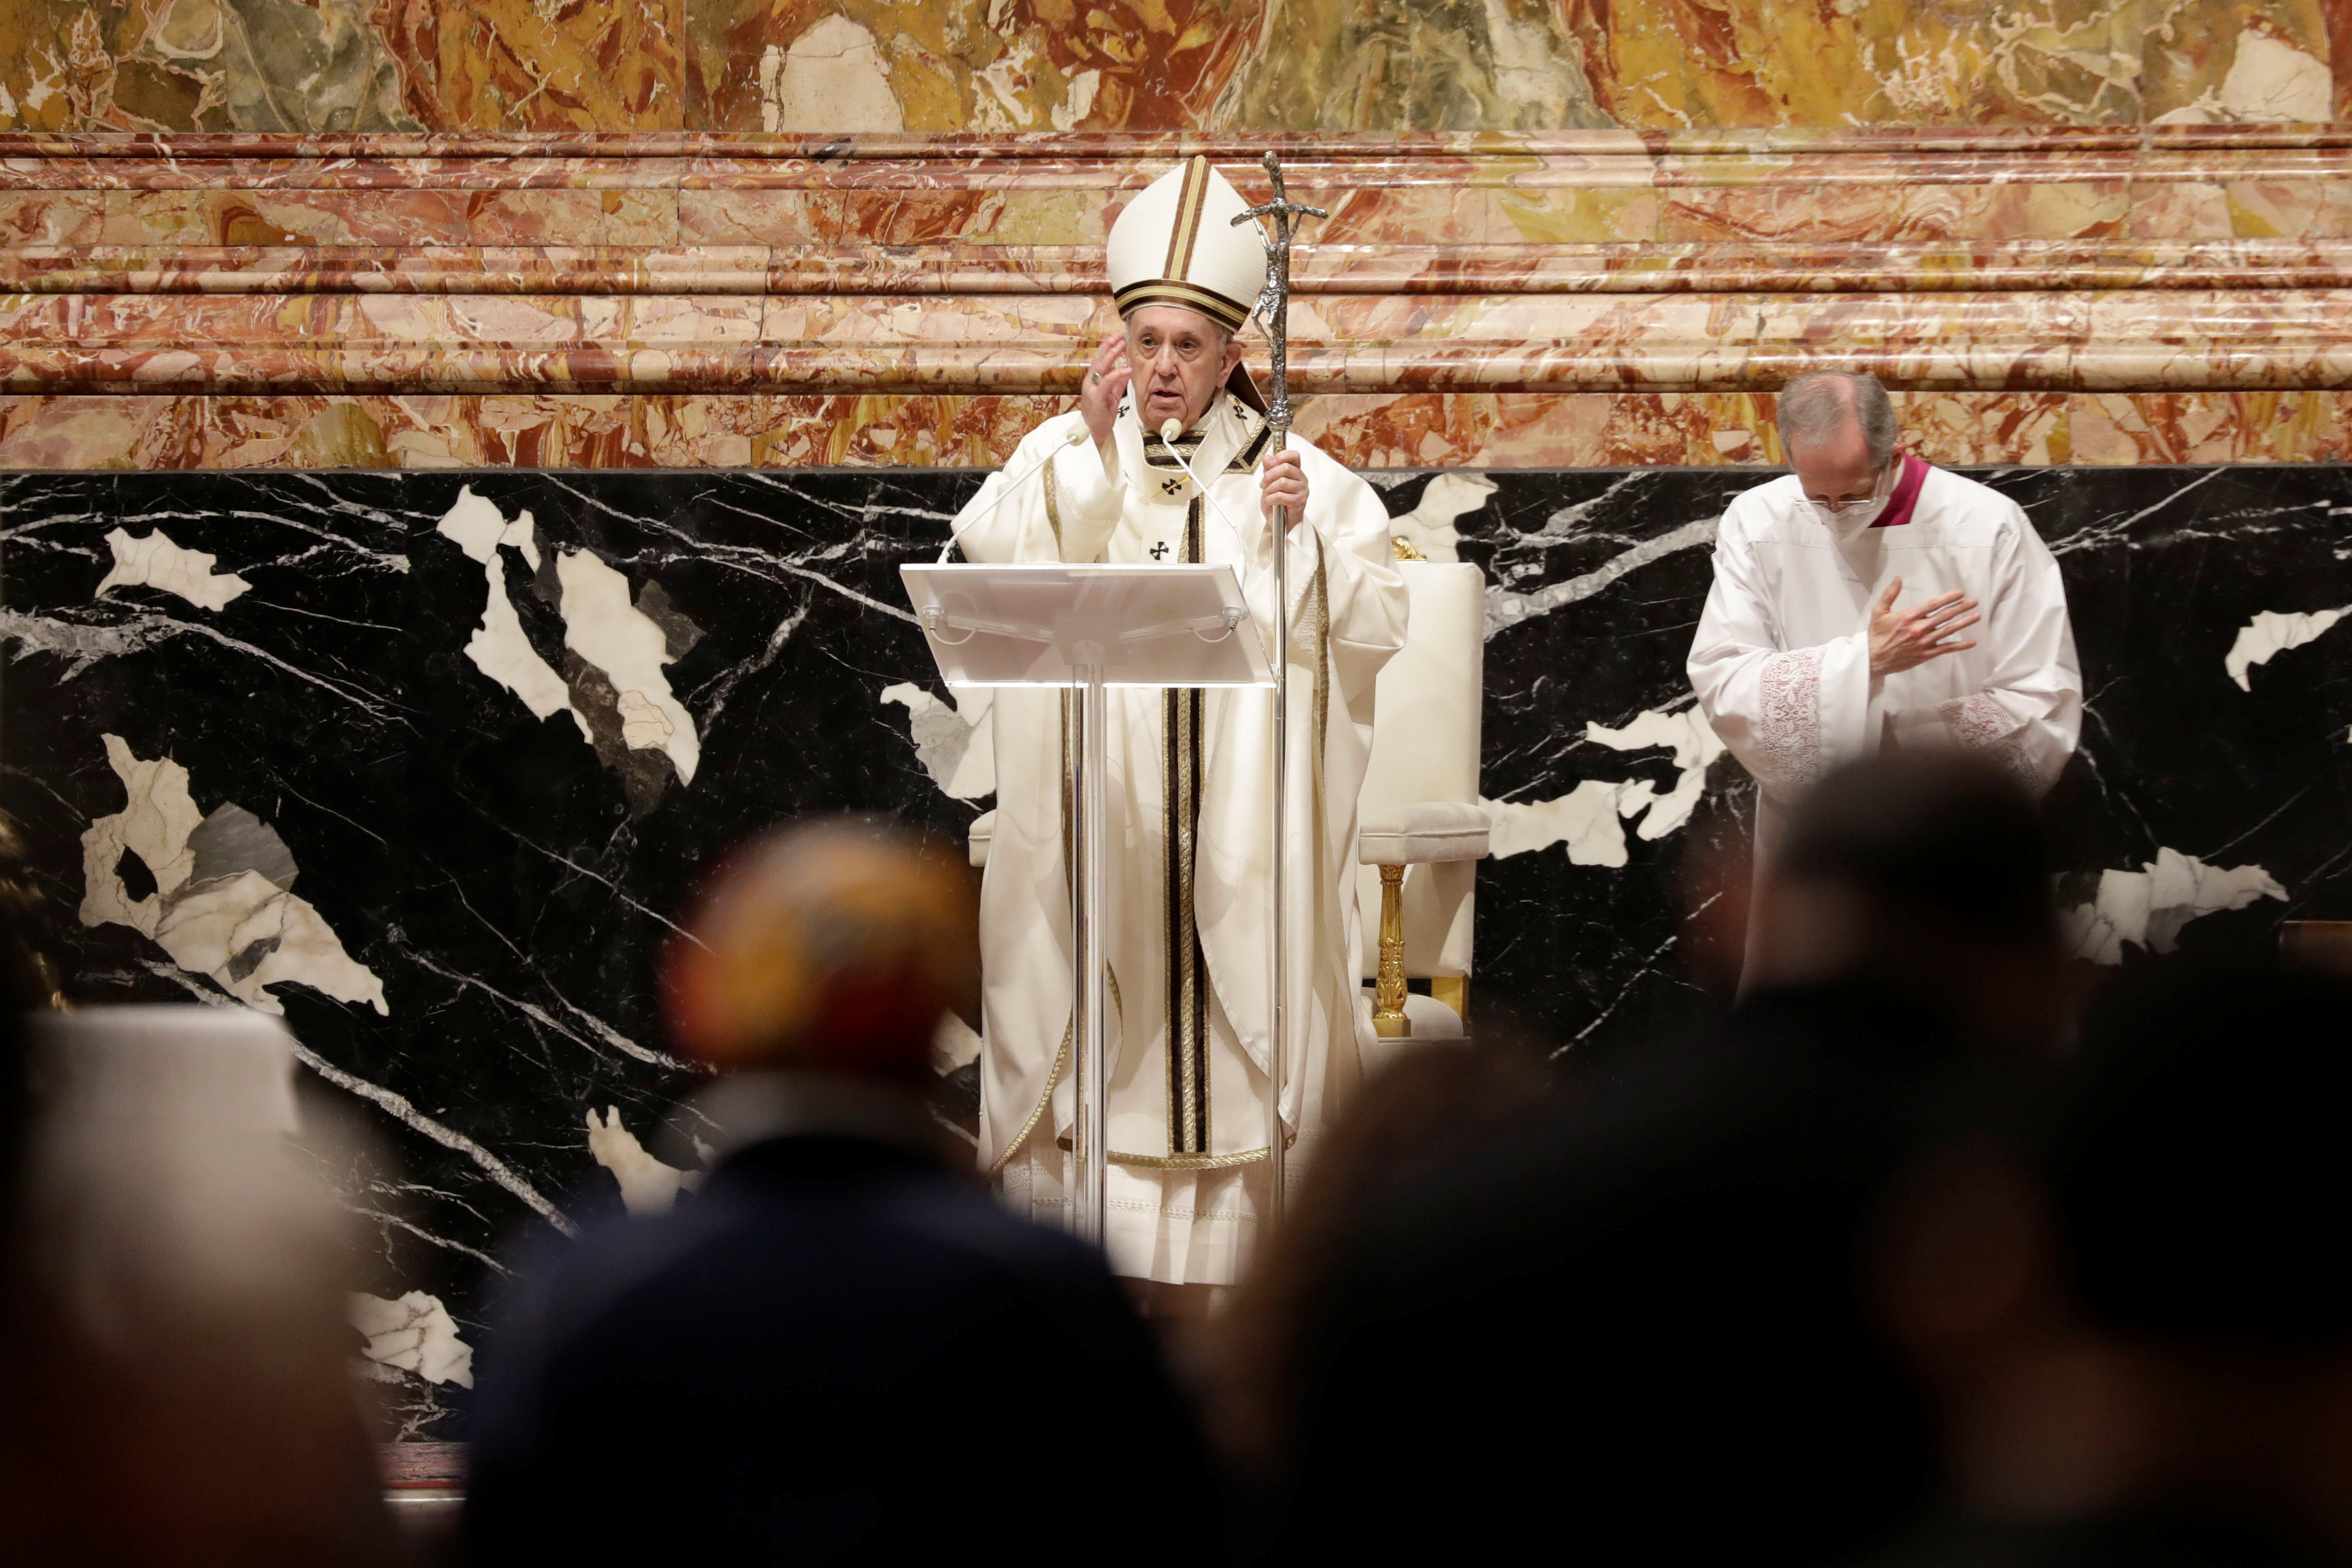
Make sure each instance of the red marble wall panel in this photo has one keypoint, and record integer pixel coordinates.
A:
(1561, 297)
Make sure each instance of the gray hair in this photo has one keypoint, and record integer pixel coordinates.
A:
(1815, 407)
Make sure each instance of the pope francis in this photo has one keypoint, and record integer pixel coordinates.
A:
(1165, 459)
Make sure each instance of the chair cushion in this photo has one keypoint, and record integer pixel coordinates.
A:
(1429, 830)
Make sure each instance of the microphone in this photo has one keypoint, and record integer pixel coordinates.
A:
(1077, 437)
(1169, 430)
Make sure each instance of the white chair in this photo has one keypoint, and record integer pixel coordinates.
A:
(1422, 830)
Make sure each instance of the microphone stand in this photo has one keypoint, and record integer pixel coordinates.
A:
(1274, 307)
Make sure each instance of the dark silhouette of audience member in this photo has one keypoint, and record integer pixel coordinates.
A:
(175, 1381)
(1632, 1319)
(29, 983)
(840, 1350)
(1412, 1121)
(1625, 1322)
(1912, 898)
(2140, 1345)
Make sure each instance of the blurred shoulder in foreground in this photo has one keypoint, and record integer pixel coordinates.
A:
(841, 1349)
(1909, 908)
(2139, 1340)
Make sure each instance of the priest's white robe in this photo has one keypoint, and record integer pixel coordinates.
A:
(1781, 661)
(1188, 822)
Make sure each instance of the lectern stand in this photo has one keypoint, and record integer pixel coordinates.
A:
(1091, 627)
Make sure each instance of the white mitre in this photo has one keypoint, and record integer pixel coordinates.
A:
(1177, 244)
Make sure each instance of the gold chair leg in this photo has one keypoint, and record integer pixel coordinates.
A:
(1454, 990)
(1388, 1021)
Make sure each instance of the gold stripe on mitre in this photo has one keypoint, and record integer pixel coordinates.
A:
(1187, 217)
(1169, 292)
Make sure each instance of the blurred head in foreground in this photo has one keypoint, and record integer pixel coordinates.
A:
(1624, 1317)
(2155, 1319)
(1927, 875)
(754, 1377)
(177, 1385)
(831, 945)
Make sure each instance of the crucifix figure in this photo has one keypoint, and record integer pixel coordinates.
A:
(1173, 455)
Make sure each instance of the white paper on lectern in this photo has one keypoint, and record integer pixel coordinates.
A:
(1038, 624)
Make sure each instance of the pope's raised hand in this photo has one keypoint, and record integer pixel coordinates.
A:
(1105, 383)
(1282, 482)
(1899, 641)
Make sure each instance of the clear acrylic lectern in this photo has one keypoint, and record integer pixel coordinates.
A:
(1091, 627)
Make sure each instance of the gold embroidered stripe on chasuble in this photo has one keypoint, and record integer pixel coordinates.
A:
(1188, 987)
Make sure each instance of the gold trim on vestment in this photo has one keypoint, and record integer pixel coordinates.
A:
(1037, 1111)
(1187, 1010)
(1186, 1162)
(1061, 1052)
(1054, 502)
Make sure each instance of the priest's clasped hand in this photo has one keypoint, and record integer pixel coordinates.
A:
(1282, 481)
(1899, 641)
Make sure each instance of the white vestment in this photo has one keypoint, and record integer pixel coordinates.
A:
(1189, 824)
(1781, 662)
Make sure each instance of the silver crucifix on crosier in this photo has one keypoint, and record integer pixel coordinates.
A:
(1274, 314)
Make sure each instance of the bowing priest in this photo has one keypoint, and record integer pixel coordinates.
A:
(1869, 601)
(1164, 410)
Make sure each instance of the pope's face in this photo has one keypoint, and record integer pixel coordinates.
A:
(1179, 362)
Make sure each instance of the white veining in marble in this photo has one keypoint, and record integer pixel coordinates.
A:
(83, 646)
(232, 923)
(1589, 818)
(414, 1333)
(601, 623)
(1695, 748)
(603, 627)
(648, 1185)
(398, 1106)
(2271, 633)
(1585, 819)
(2150, 906)
(154, 825)
(499, 648)
(954, 744)
(404, 1109)
(1431, 527)
(155, 562)
(831, 80)
(955, 1044)
(1506, 607)
(2269, 81)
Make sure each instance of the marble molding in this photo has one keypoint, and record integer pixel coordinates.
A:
(2245, 340)
(1048, 65)
(1503, 431)
(890, 297)
(485, 727)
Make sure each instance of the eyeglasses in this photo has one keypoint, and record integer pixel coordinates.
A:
(1879, 490)
(1187, 351)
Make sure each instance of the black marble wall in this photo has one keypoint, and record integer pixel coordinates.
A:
(508, 878)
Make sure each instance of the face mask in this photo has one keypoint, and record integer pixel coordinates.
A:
(1849, 524)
